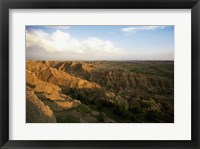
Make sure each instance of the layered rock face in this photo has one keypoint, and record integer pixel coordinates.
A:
(99, 91)
(37, 111)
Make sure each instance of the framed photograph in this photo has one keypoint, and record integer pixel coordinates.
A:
(99, 74)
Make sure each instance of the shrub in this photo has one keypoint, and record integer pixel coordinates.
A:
(100, 118)
(83, 109)
(68, 119)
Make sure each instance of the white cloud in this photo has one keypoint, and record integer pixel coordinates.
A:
(61, 27)
(135, 29)
(59, 41)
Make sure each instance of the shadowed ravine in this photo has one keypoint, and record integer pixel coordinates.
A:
(100, 92)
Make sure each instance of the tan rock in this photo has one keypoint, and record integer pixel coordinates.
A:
(36, 111)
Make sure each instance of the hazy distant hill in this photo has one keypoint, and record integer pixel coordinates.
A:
(100, 91)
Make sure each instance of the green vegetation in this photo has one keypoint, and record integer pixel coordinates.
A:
(67, 119)
(80, 95)
(154, 69)
(143, 110)
(100, 118)
(142, 69)
(83, 109)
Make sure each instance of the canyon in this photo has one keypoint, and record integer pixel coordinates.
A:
(99, 91)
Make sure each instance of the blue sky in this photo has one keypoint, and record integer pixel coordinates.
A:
(100, 42)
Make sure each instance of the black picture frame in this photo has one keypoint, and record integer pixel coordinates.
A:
(5, 5)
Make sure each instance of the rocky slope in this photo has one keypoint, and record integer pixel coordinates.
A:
(37, 111)
(102, 91)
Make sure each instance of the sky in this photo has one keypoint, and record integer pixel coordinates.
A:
(112, 42)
